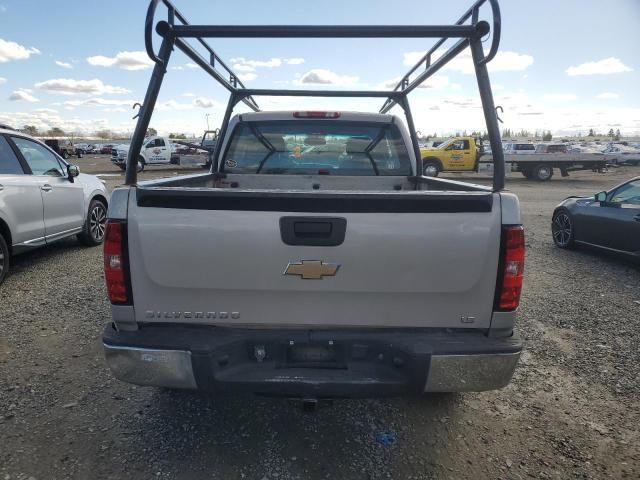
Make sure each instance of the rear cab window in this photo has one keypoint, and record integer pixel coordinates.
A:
(9, 163)
(317, 147)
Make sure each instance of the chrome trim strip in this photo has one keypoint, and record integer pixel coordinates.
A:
(31, 242)
(66, 233)
(624, 252)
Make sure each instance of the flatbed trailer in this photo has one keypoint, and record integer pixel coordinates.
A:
(541, 166)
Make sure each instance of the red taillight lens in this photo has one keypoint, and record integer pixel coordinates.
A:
(316, 114)
(116, 263)
(511, 276)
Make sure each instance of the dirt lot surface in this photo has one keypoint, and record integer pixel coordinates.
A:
(572, 410)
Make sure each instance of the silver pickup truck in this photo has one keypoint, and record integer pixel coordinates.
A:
(312, 261)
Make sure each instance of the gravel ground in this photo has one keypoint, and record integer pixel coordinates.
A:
(572, 410)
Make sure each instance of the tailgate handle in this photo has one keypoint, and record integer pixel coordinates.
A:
(313, 231)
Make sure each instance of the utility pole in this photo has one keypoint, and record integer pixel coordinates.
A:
(207, 115)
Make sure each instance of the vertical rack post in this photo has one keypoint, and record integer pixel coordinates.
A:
(489, 109)
(404, 103)
(146, 110)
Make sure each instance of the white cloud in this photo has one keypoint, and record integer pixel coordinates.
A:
(173, 105)
(3, 80)
(320, 76)
(69, 86)
(138, 60)
(99, 102)
(63, 64)
(45, 110)
(437, 81)
(179, 67)
(191, 65)
(14, 51)
(206, 102)
(607, 96)
(504, 61)
(273, 62)
(247, 77)
(240, 67)
(606, 66)
(560, 97)
(188, 94)
(23, 95)
(114, 110)
(241, 64)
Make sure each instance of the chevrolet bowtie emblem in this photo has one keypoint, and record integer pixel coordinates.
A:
(311, 269)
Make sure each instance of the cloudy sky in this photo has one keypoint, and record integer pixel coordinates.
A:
(565, 65)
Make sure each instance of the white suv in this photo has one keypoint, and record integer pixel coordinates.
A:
(44, 199)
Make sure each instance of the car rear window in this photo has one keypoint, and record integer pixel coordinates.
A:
(9, 164)
(525, 146)
(329, 147)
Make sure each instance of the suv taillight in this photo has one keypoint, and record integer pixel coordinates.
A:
(116, 263)
(512, 268)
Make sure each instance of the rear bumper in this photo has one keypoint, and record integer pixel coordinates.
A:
(367, 363)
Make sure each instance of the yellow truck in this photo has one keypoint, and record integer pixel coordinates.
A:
(463, 154)
(458, 154)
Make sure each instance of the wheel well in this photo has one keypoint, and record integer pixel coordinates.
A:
(6, 233)
(141, 159)
(432, 160)
(558, 210)
(101, 198)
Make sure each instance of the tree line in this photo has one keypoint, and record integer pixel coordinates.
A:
(104, 134)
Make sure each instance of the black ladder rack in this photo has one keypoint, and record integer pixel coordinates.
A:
(469, 31)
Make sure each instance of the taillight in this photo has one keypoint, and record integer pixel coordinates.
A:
(316, 114)
(116, 263)
(512, 265)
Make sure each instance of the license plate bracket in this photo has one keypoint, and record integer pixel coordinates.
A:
(314, 355)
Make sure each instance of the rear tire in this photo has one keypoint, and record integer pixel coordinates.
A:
(542, 173)
(141, 164)
(430, 168)
(79, 153)
(5, 259)
(94, 226)
(562, 229)
(65, 155)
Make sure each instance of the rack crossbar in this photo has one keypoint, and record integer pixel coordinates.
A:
(325, 31)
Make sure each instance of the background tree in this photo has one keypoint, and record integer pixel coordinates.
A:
(611, 133)
(105, 134)
(546, 136)
(30, 129)
(56, 132)
(151, 132)
(591, 133)
(618, 135)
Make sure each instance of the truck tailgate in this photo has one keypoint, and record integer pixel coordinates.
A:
(414, 259)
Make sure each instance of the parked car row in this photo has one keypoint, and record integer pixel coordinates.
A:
(44, 199)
